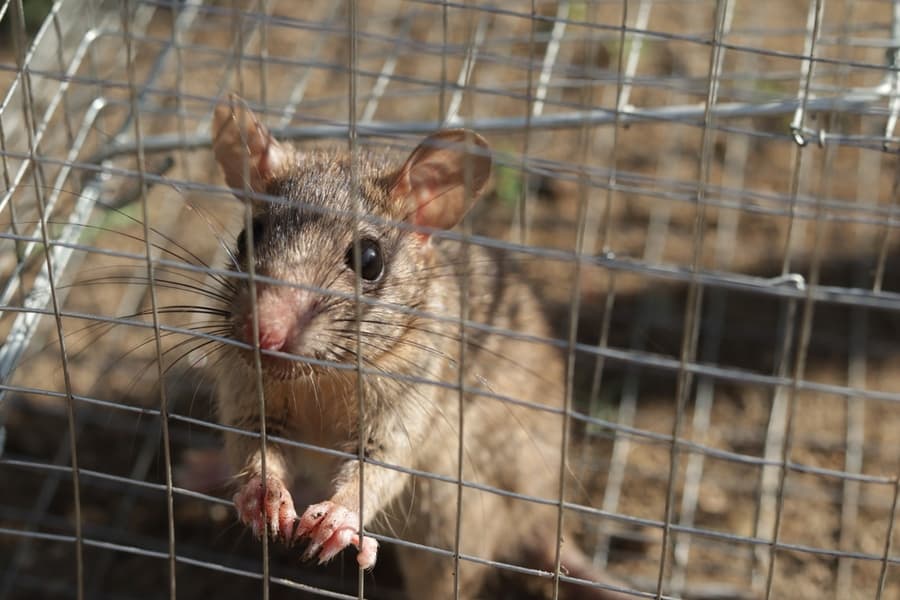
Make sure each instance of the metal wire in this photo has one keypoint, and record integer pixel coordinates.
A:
(564, 89)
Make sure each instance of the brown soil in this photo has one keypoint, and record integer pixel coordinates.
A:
(658, 165)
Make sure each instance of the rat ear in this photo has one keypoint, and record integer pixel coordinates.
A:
(242, 144)
(442, 178)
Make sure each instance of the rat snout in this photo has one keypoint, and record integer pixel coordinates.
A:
(282, 316)
(272, 336)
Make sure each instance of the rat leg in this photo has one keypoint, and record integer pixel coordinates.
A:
(331, 528)
(265, 505)
(333, 525)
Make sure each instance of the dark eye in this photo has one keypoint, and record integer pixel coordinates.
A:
(370, 260)
(258, 227)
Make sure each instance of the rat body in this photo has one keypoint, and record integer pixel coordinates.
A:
(413, 289)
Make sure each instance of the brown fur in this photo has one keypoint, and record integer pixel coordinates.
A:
(411, 424)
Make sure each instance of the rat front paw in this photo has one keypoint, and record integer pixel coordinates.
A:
(266, 508)
(330, 528)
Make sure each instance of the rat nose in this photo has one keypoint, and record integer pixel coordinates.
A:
(272, 336)
(282, 316)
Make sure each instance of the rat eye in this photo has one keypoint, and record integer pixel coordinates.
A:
(370, 260)
(258, 227)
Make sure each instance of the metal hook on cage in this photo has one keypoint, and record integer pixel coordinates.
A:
(798, 135)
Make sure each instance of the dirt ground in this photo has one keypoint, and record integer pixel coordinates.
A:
(636, 190)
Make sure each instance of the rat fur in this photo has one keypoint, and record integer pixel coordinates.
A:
(409, 339)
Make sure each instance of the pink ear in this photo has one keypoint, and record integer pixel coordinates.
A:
(443, 178)
(243, 145)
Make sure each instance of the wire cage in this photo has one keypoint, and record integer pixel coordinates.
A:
(706, 194)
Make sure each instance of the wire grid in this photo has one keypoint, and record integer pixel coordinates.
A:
(724, 204)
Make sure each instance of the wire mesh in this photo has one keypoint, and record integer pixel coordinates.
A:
(704, 195)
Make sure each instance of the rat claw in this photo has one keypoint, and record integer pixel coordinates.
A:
(312, 547)
(310, 519)
(328, 535)
(368, 552)
(291, 538)
(310, 552)
(330, 528)
(337, 542)
(266, 509)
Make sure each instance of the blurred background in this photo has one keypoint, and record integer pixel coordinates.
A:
(712, 210)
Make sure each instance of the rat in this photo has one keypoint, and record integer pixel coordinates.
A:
(406, 329)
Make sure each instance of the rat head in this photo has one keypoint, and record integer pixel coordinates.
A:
(312, 243)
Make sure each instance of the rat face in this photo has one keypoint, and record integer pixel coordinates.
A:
(317, 251)
(308, 245)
